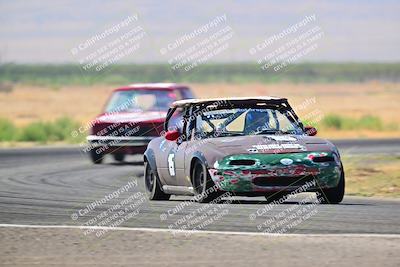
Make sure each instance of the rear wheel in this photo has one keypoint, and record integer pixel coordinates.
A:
(202, 183)
(119, 157)
(334, 195)
(152, 185)
(97, 158)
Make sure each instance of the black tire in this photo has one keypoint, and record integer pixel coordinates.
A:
(119, 157)
(334, 195)
(97, 158)
(202, 184)
(152, 185)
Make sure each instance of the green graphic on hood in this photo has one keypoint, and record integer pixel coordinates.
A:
(251, 172)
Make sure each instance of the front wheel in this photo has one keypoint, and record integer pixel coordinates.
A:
(334, 195)
(97, 158)
(204, 189)
(152, 185)
(119, 157)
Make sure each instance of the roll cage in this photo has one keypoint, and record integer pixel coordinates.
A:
(191, 110)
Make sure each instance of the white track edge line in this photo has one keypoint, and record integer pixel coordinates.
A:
(193, 232)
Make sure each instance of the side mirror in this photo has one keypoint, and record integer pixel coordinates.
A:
(310, 131)
(172, 135)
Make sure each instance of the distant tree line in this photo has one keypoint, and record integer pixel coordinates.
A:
(69, 74)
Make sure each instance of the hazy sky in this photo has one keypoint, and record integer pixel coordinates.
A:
(46, 31)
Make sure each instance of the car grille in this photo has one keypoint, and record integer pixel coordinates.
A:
(242, 162)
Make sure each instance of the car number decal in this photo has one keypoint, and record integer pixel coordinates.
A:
(171, 164)
(279, 146)
(281, 138)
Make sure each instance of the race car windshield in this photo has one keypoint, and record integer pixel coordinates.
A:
(140, 100)
(249, 121)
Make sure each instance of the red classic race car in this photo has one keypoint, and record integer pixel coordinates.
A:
(132, 117)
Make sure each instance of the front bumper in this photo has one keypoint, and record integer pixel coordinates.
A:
(269, 174)
(119, 141)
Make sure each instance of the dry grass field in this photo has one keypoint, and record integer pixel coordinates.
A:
(25, 104)
(372, 175)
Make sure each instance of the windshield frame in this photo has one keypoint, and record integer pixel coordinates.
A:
(155, 90)
(280, 105)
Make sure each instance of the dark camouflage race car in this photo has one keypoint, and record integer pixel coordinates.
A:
(245, 146)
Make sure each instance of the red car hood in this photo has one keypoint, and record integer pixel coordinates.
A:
(125, 117)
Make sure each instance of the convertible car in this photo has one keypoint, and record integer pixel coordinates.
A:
(245, 146)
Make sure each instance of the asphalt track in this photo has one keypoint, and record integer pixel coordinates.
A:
(47, 219)
(46, 186)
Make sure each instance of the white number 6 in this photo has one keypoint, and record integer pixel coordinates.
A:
(171, 164)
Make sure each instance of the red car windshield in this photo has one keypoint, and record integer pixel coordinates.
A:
(140, 100)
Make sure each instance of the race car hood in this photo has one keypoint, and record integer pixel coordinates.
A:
(269, 144)
(132, 117)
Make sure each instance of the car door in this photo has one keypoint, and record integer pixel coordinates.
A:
(182, 178)
(171, 162)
